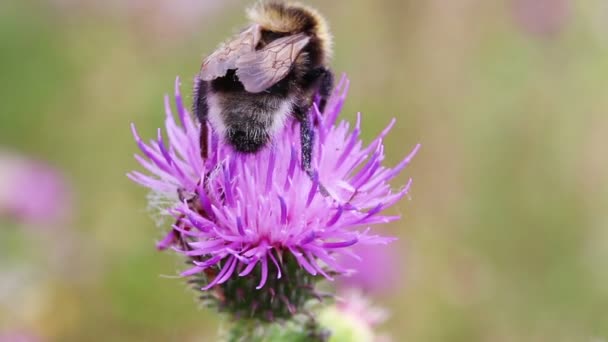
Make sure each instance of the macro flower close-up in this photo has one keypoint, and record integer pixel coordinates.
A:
(262, 217)
(303, 170)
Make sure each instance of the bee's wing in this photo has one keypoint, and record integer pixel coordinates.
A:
(258, 70)
(225, 57)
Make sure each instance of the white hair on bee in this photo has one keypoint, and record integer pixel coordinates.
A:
(214, 115)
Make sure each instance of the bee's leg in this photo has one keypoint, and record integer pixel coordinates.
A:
(200, 109)
(320, 80)
(307, 135)
(325, 87)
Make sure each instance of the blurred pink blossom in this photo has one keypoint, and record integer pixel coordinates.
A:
(18, 336)
(355, 318)
(544, 18)
(378, 270)
(152, 16)
(32, 191)
(353, 302)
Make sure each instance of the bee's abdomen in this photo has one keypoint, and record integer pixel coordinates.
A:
(247, 138)
(249, 120)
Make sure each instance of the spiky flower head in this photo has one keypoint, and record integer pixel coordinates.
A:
(257, 228)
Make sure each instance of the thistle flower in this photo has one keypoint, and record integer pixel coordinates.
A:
(259, 222)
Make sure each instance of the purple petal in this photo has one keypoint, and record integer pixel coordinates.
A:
(340, 244)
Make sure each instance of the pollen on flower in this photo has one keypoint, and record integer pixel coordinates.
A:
(258, 221)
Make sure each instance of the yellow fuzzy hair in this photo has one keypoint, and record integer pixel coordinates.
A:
(269, 16)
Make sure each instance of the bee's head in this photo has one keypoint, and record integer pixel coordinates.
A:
(282, 18)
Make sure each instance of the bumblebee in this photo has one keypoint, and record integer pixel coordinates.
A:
(273, 69)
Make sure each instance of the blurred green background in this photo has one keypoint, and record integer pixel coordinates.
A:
(505, 237)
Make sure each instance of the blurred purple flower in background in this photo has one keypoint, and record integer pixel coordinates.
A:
(355, 303)
(18, 336)
(544, 18)
(354, 318)
(377, 271)
(32, 191)
(252, 210)
(150, 17)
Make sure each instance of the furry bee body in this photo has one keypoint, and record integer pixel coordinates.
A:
(238, 90)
